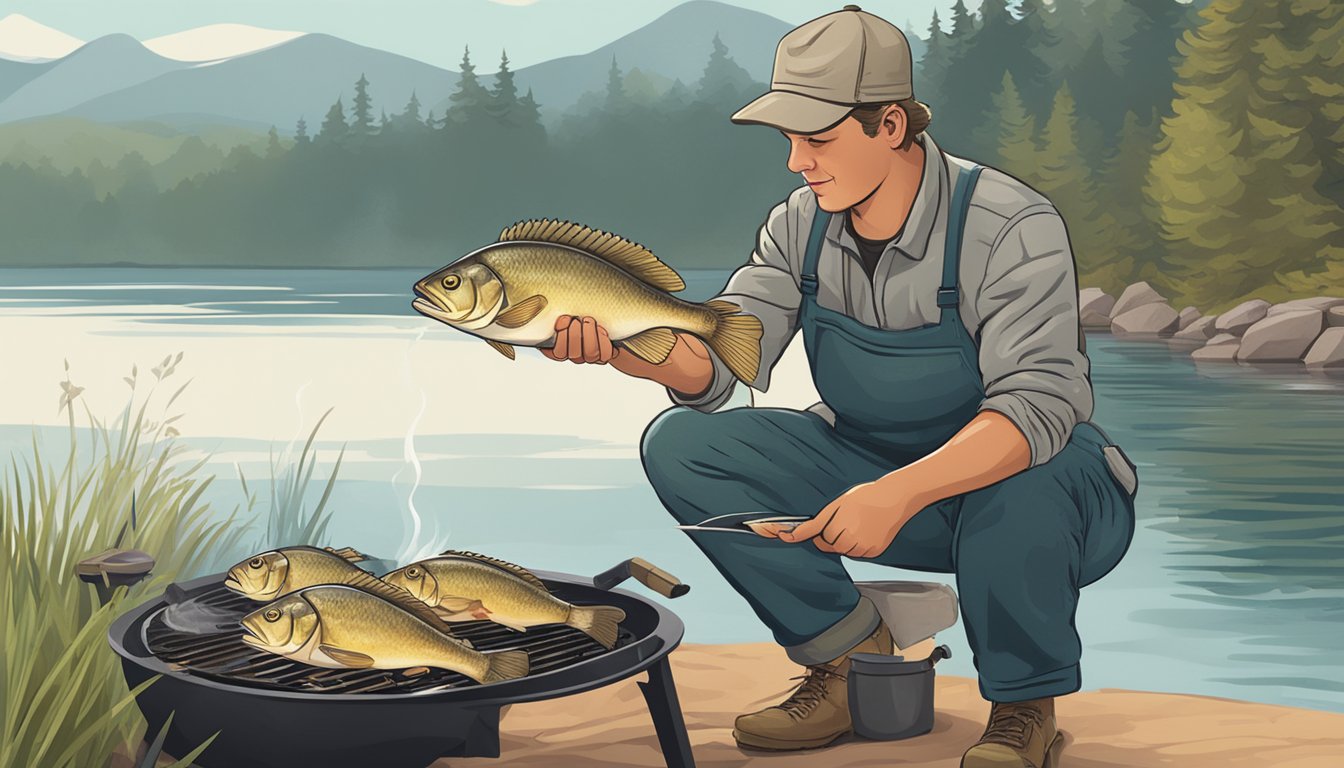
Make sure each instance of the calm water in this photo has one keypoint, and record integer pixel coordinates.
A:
(1234, 585)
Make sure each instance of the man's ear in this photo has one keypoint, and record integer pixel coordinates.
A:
(894, 124)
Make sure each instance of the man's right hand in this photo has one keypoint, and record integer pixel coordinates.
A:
(582, 340)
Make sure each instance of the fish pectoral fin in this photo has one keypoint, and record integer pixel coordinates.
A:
(349, 554)
(653, 345)
(510, 625)
(503, 349)
(453, 605)
(521, 314)
(353, 659)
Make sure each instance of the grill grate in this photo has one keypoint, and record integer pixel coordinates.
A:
(224, 656)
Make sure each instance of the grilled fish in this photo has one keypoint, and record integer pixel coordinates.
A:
(348, 627)
(512, 291)
(274, 574)
(462, 586)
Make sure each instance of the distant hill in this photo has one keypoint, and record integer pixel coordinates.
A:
(110, 63)
(73, 142)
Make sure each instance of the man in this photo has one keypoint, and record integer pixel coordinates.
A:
(938, 307)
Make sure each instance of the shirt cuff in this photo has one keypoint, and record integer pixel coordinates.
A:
(1046, 432)
(719, 392)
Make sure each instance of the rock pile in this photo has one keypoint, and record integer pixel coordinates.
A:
(1309, 331)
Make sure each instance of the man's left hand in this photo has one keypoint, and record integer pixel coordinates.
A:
(861, 522)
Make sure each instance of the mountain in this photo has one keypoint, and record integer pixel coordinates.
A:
(23, 39)
(218, 41)
(107, 64)
(276, 86)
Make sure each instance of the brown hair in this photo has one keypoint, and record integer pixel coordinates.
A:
(917, 118)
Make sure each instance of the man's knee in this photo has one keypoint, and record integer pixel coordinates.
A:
(1030, 511)
(671, 443)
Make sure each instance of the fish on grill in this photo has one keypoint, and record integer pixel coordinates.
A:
(276, 573)
(461, 586)
(513, 291)
(370, 625)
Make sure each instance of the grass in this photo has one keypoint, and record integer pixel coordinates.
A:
(65, 702)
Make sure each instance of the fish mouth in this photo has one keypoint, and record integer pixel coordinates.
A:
(433, 311)
(234, 584)
(252, 638)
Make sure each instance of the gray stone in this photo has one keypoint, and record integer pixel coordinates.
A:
(1322, 303)
(1199, 330)
(1090, 319)
(1096, 300)
(1328, 351)
(1283, 338)
(1136, 296)
(1188, 316)
(1147, 320)
(1237, 319)
(1217, 353)
(1335, 317)
(1223, 338)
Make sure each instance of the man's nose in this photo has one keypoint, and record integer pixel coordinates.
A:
(800, 158)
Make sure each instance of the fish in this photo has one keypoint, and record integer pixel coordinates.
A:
(462, 586)
(511, 292)
(345, 626)
(270, 575)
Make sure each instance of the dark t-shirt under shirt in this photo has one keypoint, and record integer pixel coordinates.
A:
(869, 250)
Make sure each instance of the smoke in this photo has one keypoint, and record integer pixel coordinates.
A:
(418, 543)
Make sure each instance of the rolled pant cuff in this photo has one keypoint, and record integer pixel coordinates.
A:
(1055, 683)
(841, 636)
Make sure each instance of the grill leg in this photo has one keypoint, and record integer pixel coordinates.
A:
(661, 695)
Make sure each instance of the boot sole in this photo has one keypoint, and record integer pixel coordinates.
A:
(1054, 751)
(752, 741)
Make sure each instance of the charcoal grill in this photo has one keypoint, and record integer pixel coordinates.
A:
(274, 712)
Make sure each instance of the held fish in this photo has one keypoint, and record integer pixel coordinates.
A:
(276, 573)
(462, 586)
(344, 627)
(512, 291)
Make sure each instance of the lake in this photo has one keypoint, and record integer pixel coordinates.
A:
(1234, 585)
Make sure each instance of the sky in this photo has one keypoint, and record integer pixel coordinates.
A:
(433, 31)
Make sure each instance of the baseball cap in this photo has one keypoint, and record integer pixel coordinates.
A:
(828, 66)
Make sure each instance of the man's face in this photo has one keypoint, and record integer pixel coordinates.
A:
(843, 165)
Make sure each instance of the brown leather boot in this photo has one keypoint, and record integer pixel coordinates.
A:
(816, 713)
(1021, 734)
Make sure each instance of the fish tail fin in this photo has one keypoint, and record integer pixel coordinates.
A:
(601, 622)
(736, 339)
(506, 665)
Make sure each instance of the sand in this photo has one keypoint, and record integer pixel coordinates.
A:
(1109, 727)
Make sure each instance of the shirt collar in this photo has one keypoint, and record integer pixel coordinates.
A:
(914, 239)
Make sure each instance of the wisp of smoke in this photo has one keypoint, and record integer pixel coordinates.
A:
(417, 544)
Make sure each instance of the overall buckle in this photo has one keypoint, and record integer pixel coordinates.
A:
(808, 284)
(949, 297)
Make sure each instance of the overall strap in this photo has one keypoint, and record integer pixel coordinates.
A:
(808, 279)
(949, 295)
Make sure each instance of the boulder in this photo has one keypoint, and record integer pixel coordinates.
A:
(1147, 320)
(1283, 338)
(1188, 316)
(1136, 296)
(1237, 319)
(1322, 303)
(1099, 301)
(1090, 319)
(1199, 330)
(1222, 338)
(1335, 317)
(1217, 353)
(1328, 351)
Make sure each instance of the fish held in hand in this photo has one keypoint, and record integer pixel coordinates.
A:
(269, 575)
(344, 627)
(511, 292)
(462, 586)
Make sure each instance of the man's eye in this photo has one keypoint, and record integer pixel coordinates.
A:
(818, 142)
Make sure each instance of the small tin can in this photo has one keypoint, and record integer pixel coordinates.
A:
(891, 698)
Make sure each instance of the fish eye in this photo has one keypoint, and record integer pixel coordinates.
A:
(272, 615)
(452, 281)
(413, 573)
(256, 562)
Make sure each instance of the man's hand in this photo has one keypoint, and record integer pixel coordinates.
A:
(861, 522)
(581, 340)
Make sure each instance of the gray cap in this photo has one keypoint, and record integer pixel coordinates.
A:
(830, 65)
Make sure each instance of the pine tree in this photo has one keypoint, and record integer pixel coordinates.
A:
(432, 123)
(1121, 193)
(724, 80)
(617, 103)
(273, 149)
(301, 132)
(1096, 85)
(470, 97)
(412, 111)
(529, 112)
(334, 128)
(1040, 44)
(1149, 53)
(504, 96)
(975, 73)
(1016, 133)
(382, 122)
(933, 64)
(362, 124)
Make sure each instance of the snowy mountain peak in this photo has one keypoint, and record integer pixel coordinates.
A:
(23, 39)
(218, 41)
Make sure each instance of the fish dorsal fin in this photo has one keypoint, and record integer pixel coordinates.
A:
(613, 249)
(367, 582)
(503, 565)
(349, 554)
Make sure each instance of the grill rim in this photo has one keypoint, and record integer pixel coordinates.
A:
(652, 646)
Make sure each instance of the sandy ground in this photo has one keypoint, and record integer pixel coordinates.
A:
(1109, 727)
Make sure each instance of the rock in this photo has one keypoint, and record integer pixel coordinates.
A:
(1199, 330)
(1236, 320)
(1335, 317)
(1223, 338)
(1328, 351)
(1097, 300)
(1149, 320)
(1217, 353)
(1092, 319)
(1188, 316)
(1136, 296)
(1283, 338)
(1322, 303)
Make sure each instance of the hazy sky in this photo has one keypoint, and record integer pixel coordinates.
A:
(433, 31)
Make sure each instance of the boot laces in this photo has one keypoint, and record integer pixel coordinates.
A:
(1009, 724)
(810, 692)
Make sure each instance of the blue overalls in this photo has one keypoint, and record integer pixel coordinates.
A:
(1021, 548)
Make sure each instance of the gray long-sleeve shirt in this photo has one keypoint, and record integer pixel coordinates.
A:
(1019, 294)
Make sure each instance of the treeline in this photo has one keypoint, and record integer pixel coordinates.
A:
(1198, 150)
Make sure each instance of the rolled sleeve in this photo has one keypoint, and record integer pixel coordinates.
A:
(1034, 372)
(765, 287)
